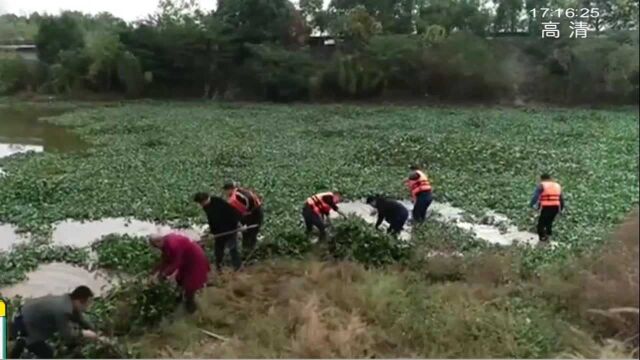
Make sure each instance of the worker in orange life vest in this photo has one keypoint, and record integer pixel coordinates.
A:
(249, 206)
(316, 210)
(420, 188)
(548, 198)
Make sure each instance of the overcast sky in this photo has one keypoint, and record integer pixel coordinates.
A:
(127, 9)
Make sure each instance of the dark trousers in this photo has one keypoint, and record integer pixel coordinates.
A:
(189, 298)
(396, 225)
(19, 332)
(230, 242)
(423, 200)
(40, 349)
(311, 219)
(545, 221)
(250, 237)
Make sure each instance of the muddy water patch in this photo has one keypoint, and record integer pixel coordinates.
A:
(21, 132)
(504, 233)
(82, 234)
(365, 212)
(9, 237)
(57, 278)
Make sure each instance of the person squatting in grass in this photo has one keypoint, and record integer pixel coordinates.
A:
(420, 188)
(183, 260)
(39, 319)
(316, 209)
(222, 218)
(547, 197)
(390, 210)
(249, 206)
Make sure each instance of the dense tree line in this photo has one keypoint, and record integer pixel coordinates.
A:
(263, 49)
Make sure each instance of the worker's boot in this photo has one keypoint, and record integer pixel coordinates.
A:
(190, 304)
(18, 348)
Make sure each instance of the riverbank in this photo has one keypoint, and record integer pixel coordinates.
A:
(145, 159)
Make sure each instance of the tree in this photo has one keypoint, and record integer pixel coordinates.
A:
(356, 26)
(508, 15)
(614, 14)
(455, 15)
(130, 74)
(314, 13)
(104, 49)
(58, 34)
(395, 16)
(256, 21)
(17, 29)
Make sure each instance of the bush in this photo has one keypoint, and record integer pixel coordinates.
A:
(57, 34)
(281, 75)
(353, 76)
(400, 58)
(621, 74)
(130, 74)
(359, 241)
(131, 255)
(13, 74)
(134, 306)
(465, 66)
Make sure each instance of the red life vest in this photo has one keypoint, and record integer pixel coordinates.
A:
(239, 205)
(318, 205)
(419, 185)
(550, 195)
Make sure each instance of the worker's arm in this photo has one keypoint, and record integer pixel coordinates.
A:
(329, 200)
(66, 331)
(173, 259)
(83, 322)
(380, 219)
(536, 197)
(561, 202)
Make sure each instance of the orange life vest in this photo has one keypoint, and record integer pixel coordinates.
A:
(550, 195)
(419, 185)
(239, 205)
(318, 205)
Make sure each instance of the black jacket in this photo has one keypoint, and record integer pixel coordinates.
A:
(221, 216)
(389, 210)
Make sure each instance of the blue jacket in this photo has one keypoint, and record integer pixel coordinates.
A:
(536, 196)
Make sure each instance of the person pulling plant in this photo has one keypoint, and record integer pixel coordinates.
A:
(390, 210)
(420, 188)
(316, 211)
(39, 319)
(249, 206)
(185, 261)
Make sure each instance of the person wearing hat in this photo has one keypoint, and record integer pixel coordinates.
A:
(249, 206)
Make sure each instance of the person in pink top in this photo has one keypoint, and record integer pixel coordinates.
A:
(184, 260)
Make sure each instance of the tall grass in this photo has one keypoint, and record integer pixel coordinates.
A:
(325, 310)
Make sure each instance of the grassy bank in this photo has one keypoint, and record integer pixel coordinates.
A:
(312, 309)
